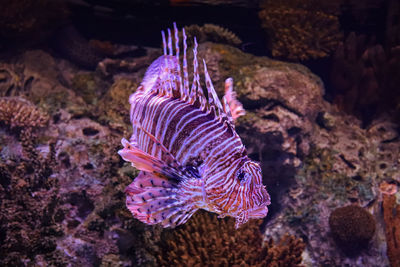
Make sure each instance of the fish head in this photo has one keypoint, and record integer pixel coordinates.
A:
(251, 191)
(242, 194)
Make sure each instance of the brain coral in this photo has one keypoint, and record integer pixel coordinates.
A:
(352, 228)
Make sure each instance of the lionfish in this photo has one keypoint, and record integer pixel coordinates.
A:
(187, 150)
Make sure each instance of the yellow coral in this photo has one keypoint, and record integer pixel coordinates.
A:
(208, 241)
(299, 32)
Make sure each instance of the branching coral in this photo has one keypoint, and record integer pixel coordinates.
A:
(208, 241)
(211, 32)
(28, 195)
(19, 113)
(365, 77)
(300, 31)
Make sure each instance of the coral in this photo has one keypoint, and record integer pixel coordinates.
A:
(300, 32)
(20, 113)
(365, 77)
(28, 200)
(212, 33)
(11, 82)
(352, 228)
(287, 121)
(208, 241)
(391, 211)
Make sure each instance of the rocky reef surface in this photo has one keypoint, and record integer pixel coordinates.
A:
(62, 182)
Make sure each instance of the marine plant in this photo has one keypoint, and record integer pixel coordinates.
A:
(208, 241)
(300, 30)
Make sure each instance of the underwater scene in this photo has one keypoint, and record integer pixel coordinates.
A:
(200, 133)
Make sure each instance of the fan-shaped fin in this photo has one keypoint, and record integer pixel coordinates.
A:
(153, 200)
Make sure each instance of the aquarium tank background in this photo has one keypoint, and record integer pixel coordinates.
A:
(319, 85)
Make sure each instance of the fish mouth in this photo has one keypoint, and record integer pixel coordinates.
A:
(259, 212)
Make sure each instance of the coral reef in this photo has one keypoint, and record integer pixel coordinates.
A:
(352, 228)
(391, 211)
(211, 33)
(206, 240)
(66, 182)
(300, 30)
(365, 77)
(314, 157)
(28, 192)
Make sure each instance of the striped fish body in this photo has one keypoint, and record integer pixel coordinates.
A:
(187, 150)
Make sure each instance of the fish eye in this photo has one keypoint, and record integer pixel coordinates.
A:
(193, 171)
(242, 176)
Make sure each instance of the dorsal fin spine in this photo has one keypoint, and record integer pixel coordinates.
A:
(196, 78)
(185, 69)
(172, 84)
(164, 83)
(212, 95)
(164, 43)
(194, 91)
(181, 89)
(170, 77)
(208, 85)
